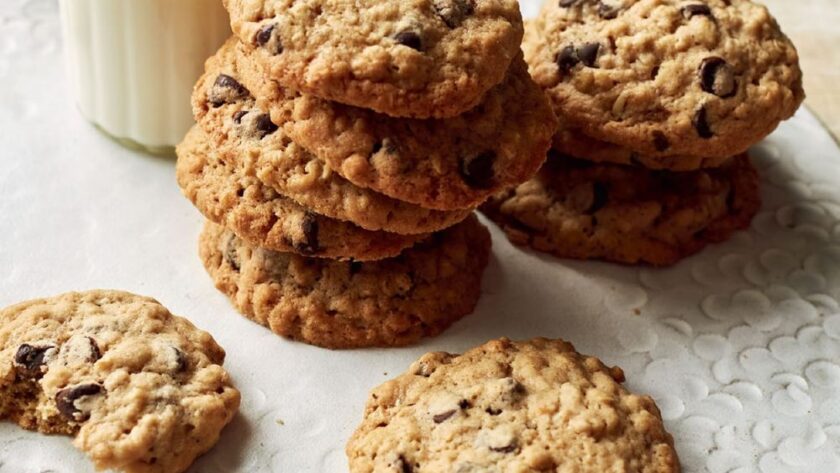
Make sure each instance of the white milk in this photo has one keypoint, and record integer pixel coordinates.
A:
(133, 63)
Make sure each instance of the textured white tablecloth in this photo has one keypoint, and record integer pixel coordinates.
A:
(739, 345)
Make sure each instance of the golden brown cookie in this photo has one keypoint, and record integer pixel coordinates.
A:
(511, 406)
(577, 209)
(666, 77)
(229, 115)
(448, 164)
(338, 304)
(138, 388)
(231, 195)
(430, 58)
(577, 144)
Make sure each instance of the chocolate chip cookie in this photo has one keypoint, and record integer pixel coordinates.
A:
(231, 195)
(429, 58)
(511, 406)
(238, 129)
(576, 209)
(666, 77)
(353, 304)
(138, 388)
(577, 144)
(440, 164)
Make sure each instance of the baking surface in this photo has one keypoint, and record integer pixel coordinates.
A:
(739, 345)
(813, 27)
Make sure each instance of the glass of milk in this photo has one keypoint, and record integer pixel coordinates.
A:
(132, 64)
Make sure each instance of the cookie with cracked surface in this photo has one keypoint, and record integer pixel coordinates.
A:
(575, 143)
(138, 388)
(419, 58)
(440, 164)
(229, 114)
(510, 406)
(666, 77)
(231, 194)
(624, 214)
(338, 304)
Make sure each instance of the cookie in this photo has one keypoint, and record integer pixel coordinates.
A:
(575, 143)
(440, 164)
(338, 304)
(666, 77)
(138, 388)
(231, 195)
(576, 209)
(511, 406)
(421, 59)
(229, 117)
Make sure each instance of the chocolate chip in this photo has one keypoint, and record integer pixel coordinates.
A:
(438, 418)
(65, 400)
(701, 123)
(309, 228)
(477, 171)
(493, 411)
(506, 449)
(607, 12)
(654, 72)
(237, 117)
(267, 38)
(31, 359)
(717, 77)
(464, 404)
(567, 59)
(409, 39)
(263, 35)
(453, 12)
(95, 354)
(588, 54)
(695, 9)
(226, 89)
(403, 465)
(228, 82)
(355, 267)
(600, 196)
(181, 362)
(264, 126)
(568, 3)
(660, 141)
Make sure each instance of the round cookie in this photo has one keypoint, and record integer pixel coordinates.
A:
(226, 112)
(337, 304)
(440, 164)
(666, 77)
(230, 194)
(576, 144)
(139, 388)
(510, 406)
(575, 209)
(418, 58)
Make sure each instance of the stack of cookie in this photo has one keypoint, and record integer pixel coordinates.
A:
(340, 151)
(658, 102)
